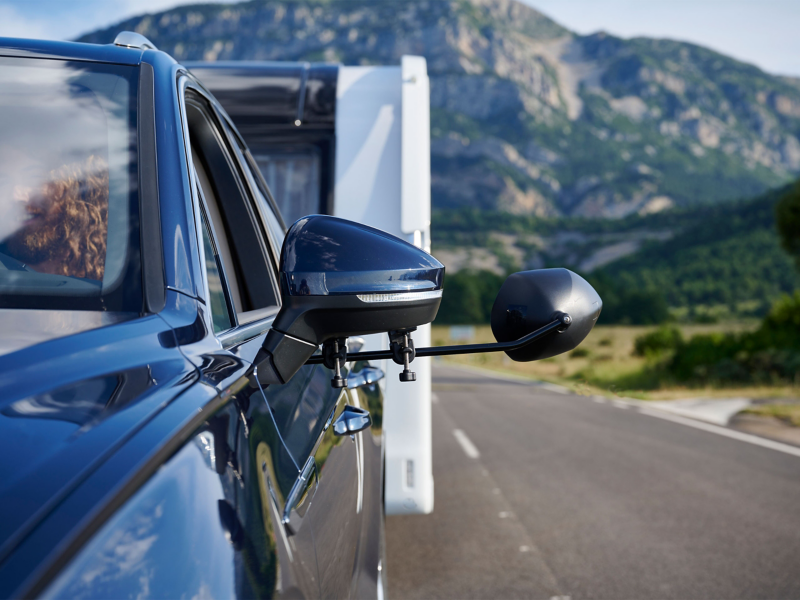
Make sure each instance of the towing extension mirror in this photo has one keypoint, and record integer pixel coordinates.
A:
(537, 314)
(340, 279)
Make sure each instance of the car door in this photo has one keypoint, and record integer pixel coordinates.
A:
(305, 409)
(242, 300)
(348, 468)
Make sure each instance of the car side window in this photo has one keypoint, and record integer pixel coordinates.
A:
(264, 199)
(244, 258)
(220, 310)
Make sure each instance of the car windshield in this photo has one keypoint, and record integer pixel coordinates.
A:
(68, 193)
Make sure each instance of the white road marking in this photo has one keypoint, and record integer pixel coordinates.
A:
(619, 404)
(466, 444)
(434, 398)
(731, 433)
(524, 548)
(599, 399)
(504, 514)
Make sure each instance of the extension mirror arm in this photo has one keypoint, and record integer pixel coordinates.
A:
(560, 323)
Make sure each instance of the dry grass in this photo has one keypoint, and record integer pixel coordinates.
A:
(604, 364)
(786, 412)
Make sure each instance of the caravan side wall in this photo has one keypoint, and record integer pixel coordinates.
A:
(383, 179)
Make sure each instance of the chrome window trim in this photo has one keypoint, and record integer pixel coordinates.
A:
(183, 82)
(246, 332)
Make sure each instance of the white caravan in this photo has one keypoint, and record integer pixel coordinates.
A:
(352, 142)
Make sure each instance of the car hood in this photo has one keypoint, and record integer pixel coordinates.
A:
(67, 403)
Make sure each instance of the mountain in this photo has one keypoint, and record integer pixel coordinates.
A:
(528, 117)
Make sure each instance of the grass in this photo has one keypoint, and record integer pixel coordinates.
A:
(789, 413)
(604, 364)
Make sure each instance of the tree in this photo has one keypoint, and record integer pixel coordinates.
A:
(468, 297)
(787, 217)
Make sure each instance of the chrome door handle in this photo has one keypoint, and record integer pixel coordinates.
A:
(352, 420)
(300, 497)
(366, 376)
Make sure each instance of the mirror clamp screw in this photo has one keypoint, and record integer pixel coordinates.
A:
(334, 354)
(403, 353)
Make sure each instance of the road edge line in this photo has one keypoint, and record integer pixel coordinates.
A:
(723, 431)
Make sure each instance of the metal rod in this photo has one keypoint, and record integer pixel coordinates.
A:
(562, 321)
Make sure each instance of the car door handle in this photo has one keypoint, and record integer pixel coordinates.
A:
(352, 420)
(366, 376)
(300, 496)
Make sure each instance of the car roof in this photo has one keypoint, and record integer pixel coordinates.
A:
(108, 53)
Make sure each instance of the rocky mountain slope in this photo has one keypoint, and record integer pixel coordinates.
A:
(528, 117)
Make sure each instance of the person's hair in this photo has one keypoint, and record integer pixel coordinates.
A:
(78, 225)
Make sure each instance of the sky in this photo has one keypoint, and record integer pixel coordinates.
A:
(761, 32)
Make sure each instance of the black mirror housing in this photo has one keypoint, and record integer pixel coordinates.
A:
(339, 279)
(531, 299)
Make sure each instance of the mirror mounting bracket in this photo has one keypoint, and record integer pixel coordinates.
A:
(334, 355)
(403, 352)
(560, 323)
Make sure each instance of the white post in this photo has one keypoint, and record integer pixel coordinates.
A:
(383, 180)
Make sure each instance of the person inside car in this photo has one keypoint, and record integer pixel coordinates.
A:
(64, 222)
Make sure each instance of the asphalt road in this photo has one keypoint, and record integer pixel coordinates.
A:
(568, 496)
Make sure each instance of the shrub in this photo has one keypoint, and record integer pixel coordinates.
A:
(781, 326)
(769, 355)
(468, 297)
(664, 339)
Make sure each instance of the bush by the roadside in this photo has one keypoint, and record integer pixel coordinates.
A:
(769, 355)
(664, 339)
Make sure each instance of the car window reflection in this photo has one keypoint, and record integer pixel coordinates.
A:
(61, 220)
(68, 186)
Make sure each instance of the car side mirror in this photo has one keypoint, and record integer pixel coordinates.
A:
(339, 279)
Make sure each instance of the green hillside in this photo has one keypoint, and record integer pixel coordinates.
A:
(718, 261)
(729, 258)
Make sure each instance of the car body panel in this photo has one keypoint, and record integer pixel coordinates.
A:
(181, 253)
(146, 455)
(70, 50)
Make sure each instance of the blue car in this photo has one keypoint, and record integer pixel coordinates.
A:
(150, 446)
(183, 408)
